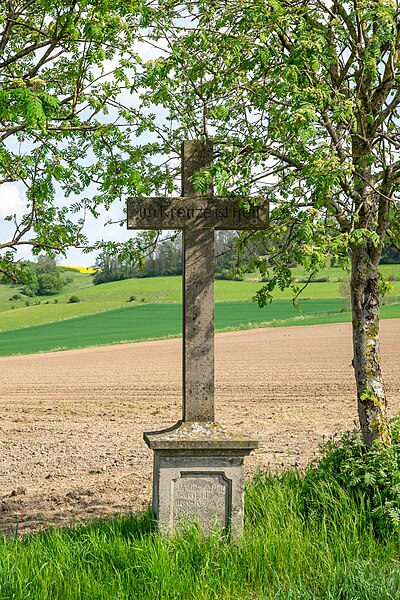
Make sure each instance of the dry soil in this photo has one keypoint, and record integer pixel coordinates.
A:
(71, 446)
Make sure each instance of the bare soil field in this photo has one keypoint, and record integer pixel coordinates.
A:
(71, 447)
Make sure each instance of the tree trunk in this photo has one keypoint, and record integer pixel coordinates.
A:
(365, 308)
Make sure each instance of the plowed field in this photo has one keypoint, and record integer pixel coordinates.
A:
(71, 444)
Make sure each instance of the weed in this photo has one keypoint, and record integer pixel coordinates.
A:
(370, 476)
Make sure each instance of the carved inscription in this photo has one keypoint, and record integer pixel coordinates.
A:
(178, 213)
(205, 497)
(192, 213)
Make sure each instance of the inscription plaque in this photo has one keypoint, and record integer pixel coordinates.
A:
(214, 212)
(206, 495)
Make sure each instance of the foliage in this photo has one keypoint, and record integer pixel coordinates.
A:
(225, 255)
(42, 278)
(109, 267)
(74, 299)
(63, 66)
(371, 478)
(228, 275)
(390, 255)
(49, 283)
(162, 257)
(302, 102)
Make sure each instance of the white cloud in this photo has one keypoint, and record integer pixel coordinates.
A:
(12, 200)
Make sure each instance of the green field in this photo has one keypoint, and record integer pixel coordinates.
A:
(105, 314)
(148, 321)
(157, 321)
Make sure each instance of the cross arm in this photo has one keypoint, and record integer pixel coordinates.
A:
(211, 212)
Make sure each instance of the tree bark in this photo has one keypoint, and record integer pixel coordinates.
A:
(372, 407)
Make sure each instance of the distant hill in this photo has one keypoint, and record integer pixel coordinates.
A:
(18, 311)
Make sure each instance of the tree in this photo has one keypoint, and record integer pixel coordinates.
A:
(160, 258)
(109, 267)
(165, 258)
(48, 276)
(50, 283)
(301, 98)
(224, 250)
(43, 277)
(46, 264)
(63, 66)
(390, 255)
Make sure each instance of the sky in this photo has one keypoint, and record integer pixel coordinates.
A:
(12, 201)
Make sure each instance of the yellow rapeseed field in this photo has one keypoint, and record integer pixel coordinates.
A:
(81, 269)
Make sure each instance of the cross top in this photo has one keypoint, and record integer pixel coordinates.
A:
(198, 216)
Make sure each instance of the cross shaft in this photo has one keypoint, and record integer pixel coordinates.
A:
(198, 216)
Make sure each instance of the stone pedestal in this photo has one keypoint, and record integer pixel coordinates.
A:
(198, 476)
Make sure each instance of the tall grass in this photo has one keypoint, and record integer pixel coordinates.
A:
(284, 555)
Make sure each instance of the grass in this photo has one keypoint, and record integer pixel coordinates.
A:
(285, 554)
(105, 314)
(148, 321)
(157, 321)
(155, 290)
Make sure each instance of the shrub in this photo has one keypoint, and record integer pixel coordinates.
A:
(74, 299)
(28, 291)
(370, 476)
(313, 280)
(15, 297)
(27, 303)
(50, 283)
(132, 299)
(228, 276)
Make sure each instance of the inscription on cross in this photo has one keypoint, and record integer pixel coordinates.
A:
(198, 215)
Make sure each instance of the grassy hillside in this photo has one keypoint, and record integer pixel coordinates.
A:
(156, 290)
(149, 321)
(139, 309)
(155, 321)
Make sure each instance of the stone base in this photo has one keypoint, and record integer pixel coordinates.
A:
(198, 476)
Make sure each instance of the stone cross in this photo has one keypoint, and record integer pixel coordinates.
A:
(198, 215)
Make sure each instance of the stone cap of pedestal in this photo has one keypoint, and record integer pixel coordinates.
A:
(199, 437)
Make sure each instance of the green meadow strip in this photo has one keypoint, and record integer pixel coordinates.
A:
(284, 554)
(148, 321)
(158, 321)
